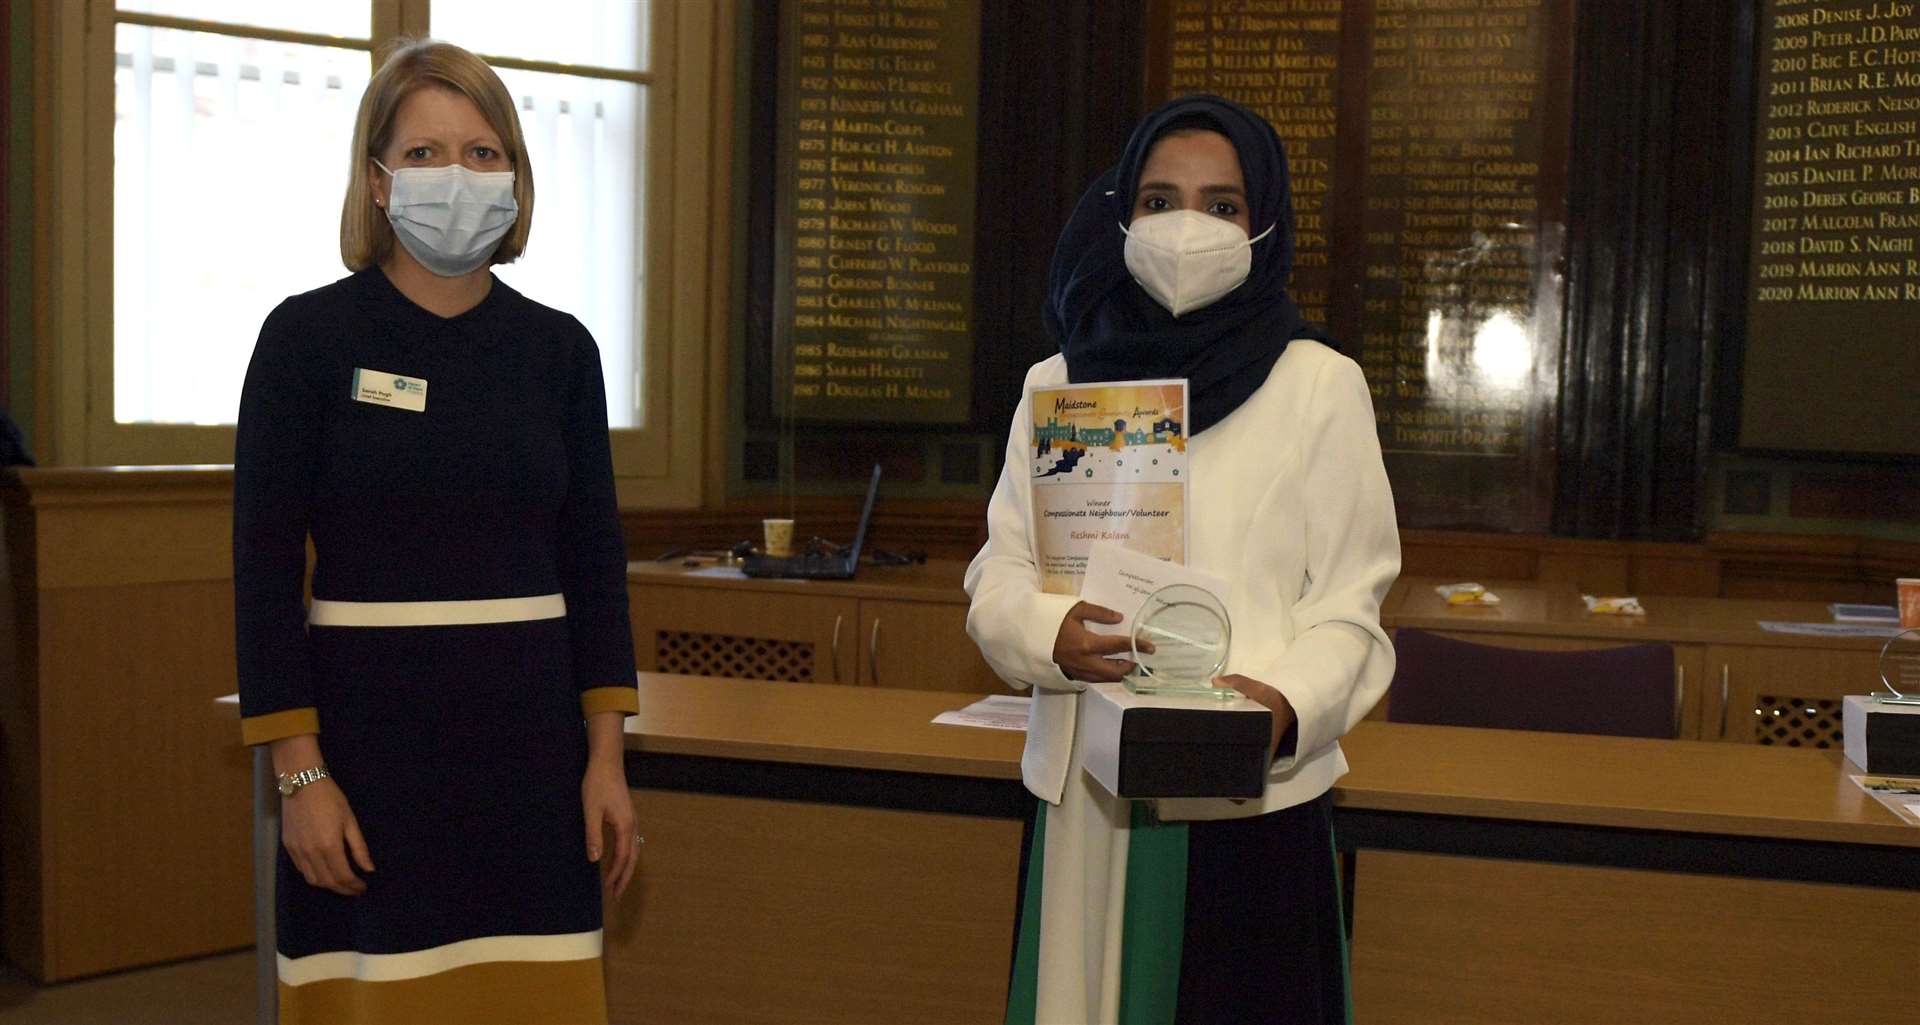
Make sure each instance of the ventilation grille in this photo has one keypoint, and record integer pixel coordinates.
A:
(1797, 722)
(745, 658)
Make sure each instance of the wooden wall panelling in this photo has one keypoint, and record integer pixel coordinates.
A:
(1727, 565)
(820, 912)
(941, 529)
(22, 940)
(147, 800)
(1812, 568)
(1882, 493)
(1433, 553)
(1586, 567)
(1441, 939)
(1881, 562)
(126, 807)
(1671, 569)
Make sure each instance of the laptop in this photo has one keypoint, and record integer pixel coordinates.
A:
(819, 566)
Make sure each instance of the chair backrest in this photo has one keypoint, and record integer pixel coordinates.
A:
(1625, 691)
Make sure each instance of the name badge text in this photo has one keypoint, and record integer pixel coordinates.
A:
(379, 388)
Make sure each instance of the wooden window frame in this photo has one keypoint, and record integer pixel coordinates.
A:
(660, 464)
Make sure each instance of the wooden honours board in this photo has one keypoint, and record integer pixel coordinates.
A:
(1428, 142)
(1832, 360)
(875, 160)
(1464, 218)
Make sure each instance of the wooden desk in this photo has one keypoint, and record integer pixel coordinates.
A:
(1565, 859)
(1531, 877)
(816, 854)
(1618, 782)
(826, 854)
(891, 626)
(1739, 683)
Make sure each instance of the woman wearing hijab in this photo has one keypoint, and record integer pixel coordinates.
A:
(445, 720)
(1174, 265)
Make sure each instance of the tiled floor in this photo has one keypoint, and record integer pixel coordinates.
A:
(209, 991)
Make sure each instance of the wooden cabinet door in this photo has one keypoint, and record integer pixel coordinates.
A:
(1782, 696)
(745, 634)
(922, 645)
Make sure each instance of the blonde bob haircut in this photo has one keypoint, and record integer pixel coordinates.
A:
(366, 239)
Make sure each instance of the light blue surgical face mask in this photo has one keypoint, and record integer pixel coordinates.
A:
(450, 218)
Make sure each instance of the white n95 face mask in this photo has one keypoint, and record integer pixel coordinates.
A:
(1186, 259)
(450, 218)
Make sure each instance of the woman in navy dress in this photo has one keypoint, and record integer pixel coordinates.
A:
(445, 720)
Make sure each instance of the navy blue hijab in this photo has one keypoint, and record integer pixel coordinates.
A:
(1110, 329)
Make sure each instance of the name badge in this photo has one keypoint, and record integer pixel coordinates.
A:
(383, 389)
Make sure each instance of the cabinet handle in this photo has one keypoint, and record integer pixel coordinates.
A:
(837, 620)
(1679, 697)
(1723, 697)
(873, 653)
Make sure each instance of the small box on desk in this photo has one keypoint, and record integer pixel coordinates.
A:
(1881, 738)
(1155, 745)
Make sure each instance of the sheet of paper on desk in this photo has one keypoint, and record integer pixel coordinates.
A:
(1830, 629)
(719, 572)
(1122, 579)
(993, 712)
(1900, 794)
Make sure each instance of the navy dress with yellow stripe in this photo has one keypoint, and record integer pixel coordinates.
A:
(469, 611)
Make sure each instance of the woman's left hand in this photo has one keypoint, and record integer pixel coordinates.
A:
(1276, 702)
(604, 798)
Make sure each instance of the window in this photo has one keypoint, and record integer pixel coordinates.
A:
(215, 158)
(223, 149)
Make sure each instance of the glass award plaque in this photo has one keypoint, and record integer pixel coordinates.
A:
(1900, 669)
(1180, 639)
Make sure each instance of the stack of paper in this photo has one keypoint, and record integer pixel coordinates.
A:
(993, 712)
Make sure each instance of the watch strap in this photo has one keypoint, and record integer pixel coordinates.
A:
(291, 782)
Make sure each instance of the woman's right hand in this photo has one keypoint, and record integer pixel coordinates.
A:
(316, 824)
(1082, 654)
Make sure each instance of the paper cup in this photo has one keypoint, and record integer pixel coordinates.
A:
(1909, 602)
(779, 537)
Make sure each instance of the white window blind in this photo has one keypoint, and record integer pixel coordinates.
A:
(229, 166)
(231, 157)
(585, 255)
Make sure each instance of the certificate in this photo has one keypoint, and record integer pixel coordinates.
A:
(1108, 463)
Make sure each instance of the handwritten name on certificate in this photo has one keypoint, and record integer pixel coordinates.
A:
(1108, 463)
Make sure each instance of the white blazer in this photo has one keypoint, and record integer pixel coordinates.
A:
(1289, 503)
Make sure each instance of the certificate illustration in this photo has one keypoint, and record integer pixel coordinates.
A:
(1108, 463)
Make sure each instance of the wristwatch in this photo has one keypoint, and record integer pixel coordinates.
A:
(290, 784)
